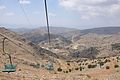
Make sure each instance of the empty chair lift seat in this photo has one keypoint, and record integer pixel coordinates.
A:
(49, 66)
(9, 68)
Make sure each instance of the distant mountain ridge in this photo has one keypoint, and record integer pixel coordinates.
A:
(102, 30)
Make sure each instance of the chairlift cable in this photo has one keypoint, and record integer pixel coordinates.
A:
(15, 43)
(25, 14)
(47, 20)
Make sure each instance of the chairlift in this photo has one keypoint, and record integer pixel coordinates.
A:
(49, 66)
(8, 67)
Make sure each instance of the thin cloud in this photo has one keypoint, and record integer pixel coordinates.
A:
(36, 12)
(24, 2)
(52, 14)
(92, 8)
(2, 7)
(9, 14)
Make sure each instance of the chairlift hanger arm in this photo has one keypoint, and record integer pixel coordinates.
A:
(5, 51)
(15, 43)
(4, 46)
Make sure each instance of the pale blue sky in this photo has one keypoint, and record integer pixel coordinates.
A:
(62, 13)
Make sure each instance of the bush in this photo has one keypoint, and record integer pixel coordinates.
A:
(107, 67)
(80, 64)
(68, 64)
(101, 63)
(81, 68)
(76, 68)
(107, 60)
(118, 58)
(59, 69)
(42, 66)
(66, 71)
(91, 66)
(35, 65)
(116, 66)
(116, 46)
(86, 63)
(70, 70)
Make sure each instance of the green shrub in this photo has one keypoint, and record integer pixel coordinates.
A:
(35, 65)
(68, 64)
(59, 69)
(66, 71)
(81, 68)
(70, 70)
(118, 58)
(86, 63)
(104, 57)
(107, 67)
(83, 64)
(80, 64)
(101, 63)
(42, 66)
(116, 66)
(116, 46)
(107, 60)
(91, 66)
(76, 68)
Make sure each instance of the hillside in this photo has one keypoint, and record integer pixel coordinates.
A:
(28, 45)
(23, 52)
(21, 30)
(78, 41)
(69, 33)
(27, 56)
(90, 57)
(101, 31)
(40, 34)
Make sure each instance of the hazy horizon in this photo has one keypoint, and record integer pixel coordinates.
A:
(22, 27)
(79, 14)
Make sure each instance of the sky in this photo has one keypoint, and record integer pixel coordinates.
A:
(81, 14)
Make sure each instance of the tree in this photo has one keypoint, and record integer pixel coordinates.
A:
(107, 67)
(101, 64)
(116, 66)
(59, 69)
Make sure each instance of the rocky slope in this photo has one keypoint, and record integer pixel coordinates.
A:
(78, 42)
(84, 61)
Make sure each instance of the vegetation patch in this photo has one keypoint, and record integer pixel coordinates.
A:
(116, 46)
(91, 66)
(59, 69)
(116, 66)
(107, 67)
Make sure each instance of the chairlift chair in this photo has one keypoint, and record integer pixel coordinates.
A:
(49, 66)
(8, 67)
